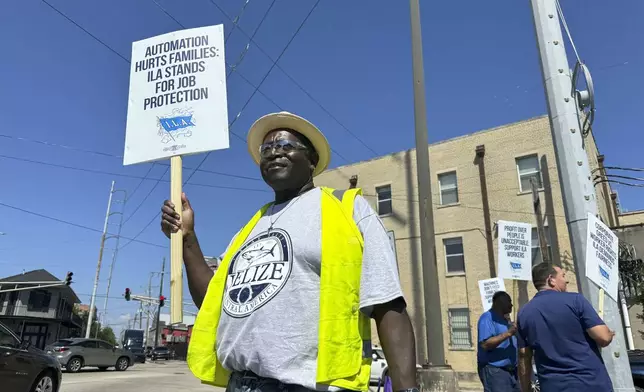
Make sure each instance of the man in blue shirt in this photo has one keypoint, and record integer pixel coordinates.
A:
(565, 333)
(497, 347)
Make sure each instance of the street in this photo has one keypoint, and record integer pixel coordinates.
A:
(170, 376)
(161, 376)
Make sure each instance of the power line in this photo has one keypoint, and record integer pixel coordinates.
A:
(95, 152)
(263, 79)
(24, 139)
(95, 171)
(460, 205)
(73, 224)
(635, 169)
(619, 182)
(565, 25)
(88, 33)
(308, 94)
(235, 25)
(147, 196)
(141, 182)
(623, 177)
(241, 56)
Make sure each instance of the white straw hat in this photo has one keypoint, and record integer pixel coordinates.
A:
(286, 120)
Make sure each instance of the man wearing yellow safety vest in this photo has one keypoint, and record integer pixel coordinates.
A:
(289, 307)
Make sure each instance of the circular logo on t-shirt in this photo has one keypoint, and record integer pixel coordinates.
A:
(257, 272)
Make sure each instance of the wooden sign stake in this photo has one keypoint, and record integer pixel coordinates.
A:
(601, 304)
(176, 244)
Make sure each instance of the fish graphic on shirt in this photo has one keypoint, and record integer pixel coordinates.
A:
(256, 254)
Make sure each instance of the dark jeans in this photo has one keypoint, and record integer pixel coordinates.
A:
(250, 382)
(495, 379)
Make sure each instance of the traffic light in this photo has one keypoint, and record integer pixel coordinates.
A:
(127, 294)
(161, 301)
(68, 278)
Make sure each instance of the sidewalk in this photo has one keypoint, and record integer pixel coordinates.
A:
(470, 386)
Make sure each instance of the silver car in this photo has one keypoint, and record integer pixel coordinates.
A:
(76, 353)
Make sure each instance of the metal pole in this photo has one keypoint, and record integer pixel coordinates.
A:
(98, 326)
(114, 254)
(90, 317)
(156, 330)
(435, 352)
(147, 323)
(630, 344)
(140, 315)
(536, 206)
(574, 176)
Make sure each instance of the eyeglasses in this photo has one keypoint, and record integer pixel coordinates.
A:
(282, 145)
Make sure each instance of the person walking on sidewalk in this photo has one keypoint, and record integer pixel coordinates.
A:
(564, 333)
(289, 307)
(497, 347)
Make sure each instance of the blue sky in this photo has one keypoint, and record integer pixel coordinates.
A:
(60, 86)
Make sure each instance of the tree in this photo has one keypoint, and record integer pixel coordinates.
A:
(107, 334)
(100, 332)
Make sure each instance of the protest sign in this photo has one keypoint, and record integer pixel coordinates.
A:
(177, 102)
(601, 256)
(488, 287)
(515, 250)
(177, 106)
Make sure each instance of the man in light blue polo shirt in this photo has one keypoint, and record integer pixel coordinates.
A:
(497, 347)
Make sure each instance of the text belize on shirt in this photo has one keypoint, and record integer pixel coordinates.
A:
(515, 250)
(601, 256)
(177, 101)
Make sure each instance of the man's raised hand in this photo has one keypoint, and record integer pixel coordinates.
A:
(171, 221)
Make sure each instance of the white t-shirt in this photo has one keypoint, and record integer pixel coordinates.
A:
(269, 323)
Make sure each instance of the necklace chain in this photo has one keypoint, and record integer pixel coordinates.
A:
(270, 218)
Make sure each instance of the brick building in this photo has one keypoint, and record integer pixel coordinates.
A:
(41, 315)
(477, 180)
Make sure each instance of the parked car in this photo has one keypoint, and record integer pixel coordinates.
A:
(76, 353)
(635, 359)
(378, 365)
(138, 353)
(24, 368)
(160, 352)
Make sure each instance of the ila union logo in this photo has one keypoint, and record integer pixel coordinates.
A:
(175, 125)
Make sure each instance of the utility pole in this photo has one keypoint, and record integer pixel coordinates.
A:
(156, 330)
(90, 317)
(575, 176)
(115, 251)
(438, 376)
(140, 315)
(147, 323)
(536, 206)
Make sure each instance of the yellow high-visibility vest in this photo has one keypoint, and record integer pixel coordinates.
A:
(343, 330)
